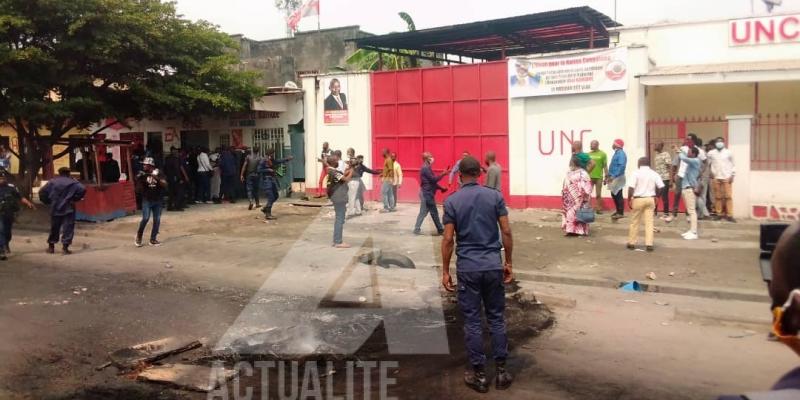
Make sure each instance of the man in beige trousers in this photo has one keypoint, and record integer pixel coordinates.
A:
(642, 194)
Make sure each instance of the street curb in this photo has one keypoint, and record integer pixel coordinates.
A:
(760, 324)
(710, 293)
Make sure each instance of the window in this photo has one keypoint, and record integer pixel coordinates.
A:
(225, 140)
(270, 138)
(775, 143)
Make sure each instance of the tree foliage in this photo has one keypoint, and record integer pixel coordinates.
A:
(371, 60)
(70, 64)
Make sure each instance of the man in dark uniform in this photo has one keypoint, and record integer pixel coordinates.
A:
(176, 180)
(250, 176)
(60, 194)
(471, 215)
(9, 205)
(270, 182)
(429, 184)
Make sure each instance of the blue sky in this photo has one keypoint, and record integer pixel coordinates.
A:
(259, 19)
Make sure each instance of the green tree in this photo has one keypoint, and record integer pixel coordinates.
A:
(364, 59)
(70, 64)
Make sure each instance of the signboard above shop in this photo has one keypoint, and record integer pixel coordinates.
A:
(764, 30)
(585, 72)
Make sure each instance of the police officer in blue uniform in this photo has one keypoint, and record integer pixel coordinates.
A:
(471, 216)
(269, 180)
(10, 198)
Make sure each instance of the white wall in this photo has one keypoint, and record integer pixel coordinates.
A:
(356, 134)
(701, 43)
(601, 116)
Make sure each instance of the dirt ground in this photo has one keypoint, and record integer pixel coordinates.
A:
(701, 336)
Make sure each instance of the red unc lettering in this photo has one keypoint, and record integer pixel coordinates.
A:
(788, 28)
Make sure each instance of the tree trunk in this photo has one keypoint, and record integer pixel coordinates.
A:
(30, 154)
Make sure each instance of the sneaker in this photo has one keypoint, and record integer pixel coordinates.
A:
(342, 246)
(66, 251)
(51, 249)
(416, 232)
(649, 249)
(731, 219)
(207, 202)
(631, 247)
(668, 219)
(154, 242)
(690, 236)
(477, 381)
(3, 257)
(502, 378)
(138, 242)
(250, 207)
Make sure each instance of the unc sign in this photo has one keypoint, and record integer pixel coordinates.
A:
(766, 30)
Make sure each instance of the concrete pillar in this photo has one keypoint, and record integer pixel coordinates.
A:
(739, 131)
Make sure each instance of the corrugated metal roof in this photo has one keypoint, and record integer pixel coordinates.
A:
(559, 30)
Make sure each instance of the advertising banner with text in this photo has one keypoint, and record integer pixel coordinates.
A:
(586, 72)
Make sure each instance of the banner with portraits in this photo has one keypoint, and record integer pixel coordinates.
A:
(585, 72)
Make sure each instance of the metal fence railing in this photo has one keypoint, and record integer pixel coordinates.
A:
(775, 143)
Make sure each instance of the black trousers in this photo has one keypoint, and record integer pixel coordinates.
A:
(63, 225)
(619, 202)
(177, 194)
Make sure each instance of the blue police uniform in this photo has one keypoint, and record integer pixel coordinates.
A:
(474, 211)
(269, 182)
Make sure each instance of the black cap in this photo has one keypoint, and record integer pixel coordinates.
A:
(470, 166)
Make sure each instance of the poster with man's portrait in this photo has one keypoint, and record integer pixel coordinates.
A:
(336, 101)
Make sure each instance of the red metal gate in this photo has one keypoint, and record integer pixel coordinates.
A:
(443, 110)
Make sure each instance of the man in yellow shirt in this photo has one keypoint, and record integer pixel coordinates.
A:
(398, 180)
(387, 181)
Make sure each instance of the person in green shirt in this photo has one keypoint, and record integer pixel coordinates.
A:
(597, 173)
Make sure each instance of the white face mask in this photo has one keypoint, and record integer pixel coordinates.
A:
(720, 145)
(431, 160)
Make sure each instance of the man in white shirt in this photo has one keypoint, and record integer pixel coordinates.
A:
(204, 172)
(722, 173)
(642, 194)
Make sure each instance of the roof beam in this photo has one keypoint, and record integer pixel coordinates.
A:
(399, 53)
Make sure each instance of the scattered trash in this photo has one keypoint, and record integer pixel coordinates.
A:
(580, 253)
(76, 292)
(143, 354)
(642, 250)
(362, 299)
(651, 276)
(167, 265)
(102, 367)
(662, 303)
(631, 301)
(581, 332)
(693, 272)
(85, 246)
(657, 230)
(192, 377)
(84, 289)
(539, 238)
(671, 274)
(540, 226)
(630, 286)
(665, 324)
(714, 240)
(594, 265)
(28, 241)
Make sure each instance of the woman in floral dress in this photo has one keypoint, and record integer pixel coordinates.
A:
(577, 191)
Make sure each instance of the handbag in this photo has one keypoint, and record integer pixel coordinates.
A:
(585, 214)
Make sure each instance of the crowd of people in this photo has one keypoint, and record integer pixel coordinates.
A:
(702, 175)
(345, 186)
